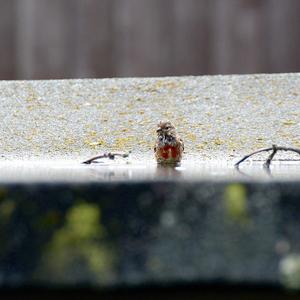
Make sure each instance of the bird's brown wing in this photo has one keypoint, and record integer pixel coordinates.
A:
(182, 144)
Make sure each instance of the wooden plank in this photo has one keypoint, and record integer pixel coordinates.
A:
(284, 44)
(7, 38)
(94, 54)
(46, 38)
(91, 38)
(192, 37)
(143, 37)
(239, 43)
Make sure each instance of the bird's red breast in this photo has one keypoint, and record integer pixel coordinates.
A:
(168, 152)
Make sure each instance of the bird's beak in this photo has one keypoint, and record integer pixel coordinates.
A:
(159, 130)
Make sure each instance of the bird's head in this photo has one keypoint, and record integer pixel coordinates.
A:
(165, 128)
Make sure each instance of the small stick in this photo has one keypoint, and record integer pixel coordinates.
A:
(274, 148)
(271, 156)
(108, 155)
(251, 154)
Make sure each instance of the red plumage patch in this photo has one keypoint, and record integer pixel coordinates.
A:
(169, 152)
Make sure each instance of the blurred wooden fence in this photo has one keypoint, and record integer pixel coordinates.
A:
(105, 38)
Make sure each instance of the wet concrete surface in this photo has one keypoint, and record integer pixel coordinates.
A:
(218, 117)
(49, 127)
(71, 171)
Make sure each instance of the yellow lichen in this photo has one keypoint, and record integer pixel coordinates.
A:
(113, 89)
(289, 122)
(192, 137)
(92, 133)
(218, 142)
(123, 142)
(94, 144)
(69, 141)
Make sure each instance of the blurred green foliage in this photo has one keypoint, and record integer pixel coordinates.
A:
(235, 203)
(289, 269)
(78, 250)
(7, 208)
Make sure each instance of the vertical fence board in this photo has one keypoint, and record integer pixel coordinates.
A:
(143, 37)
(47, 34)
(284, 36)
(239, 38)
(191, 37)
(95, 36)
(7, 46)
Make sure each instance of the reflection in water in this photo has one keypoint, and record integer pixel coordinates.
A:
(138, 170)
(267, 171)
(110, 175)
(168, 171)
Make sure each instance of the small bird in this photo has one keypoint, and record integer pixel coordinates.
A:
(169, 147)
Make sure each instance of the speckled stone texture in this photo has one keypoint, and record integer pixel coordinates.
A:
(218, 117)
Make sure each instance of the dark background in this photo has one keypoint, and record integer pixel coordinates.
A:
(107, 38)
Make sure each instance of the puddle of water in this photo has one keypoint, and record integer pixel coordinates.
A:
(122, 170)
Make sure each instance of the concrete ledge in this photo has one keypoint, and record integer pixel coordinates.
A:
(219, 117)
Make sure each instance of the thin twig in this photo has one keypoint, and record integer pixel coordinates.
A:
(271, 156)
(274, 150)
(251, 154)
(108, 155)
